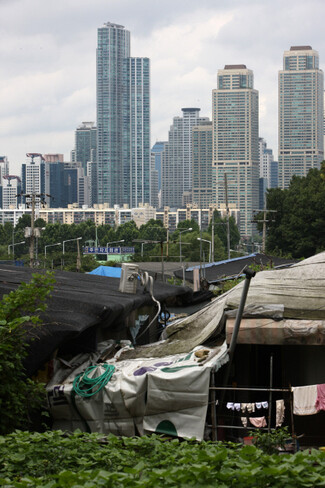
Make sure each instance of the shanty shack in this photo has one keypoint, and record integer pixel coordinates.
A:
(167, 386)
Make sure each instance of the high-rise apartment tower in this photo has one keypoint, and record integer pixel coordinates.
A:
(177, 158)
(136, 131)
(113, 47)
(235, 142)
(301, 113)
(123, 120)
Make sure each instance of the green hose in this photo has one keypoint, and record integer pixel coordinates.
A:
(86, 387)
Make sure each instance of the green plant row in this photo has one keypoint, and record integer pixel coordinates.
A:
(54, 459)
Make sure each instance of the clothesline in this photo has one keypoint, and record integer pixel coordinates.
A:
(236, 388)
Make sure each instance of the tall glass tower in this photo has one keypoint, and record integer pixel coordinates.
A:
(136, 131)
(177, 158)
(85, 144)
(301, 112)
(235, 142)
(113, 47)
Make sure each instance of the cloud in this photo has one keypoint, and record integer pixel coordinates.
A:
(48, 60)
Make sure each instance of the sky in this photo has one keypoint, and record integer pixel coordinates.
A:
(48, 60)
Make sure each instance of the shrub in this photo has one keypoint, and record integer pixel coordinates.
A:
(19, 313)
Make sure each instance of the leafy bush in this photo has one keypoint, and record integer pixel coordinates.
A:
(19, 395)
(270, 442)
(57, 460)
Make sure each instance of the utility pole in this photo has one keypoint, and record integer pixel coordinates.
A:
(264, 222)
(227, 210)
(33, 232)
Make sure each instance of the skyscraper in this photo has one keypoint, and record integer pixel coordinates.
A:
(33, 177)
(4, 167)
(301, 112)
(203, 193)
(235, 142)
(113, 47)
(156, 151)
(136, 131)
(177, 158)
(85, 144)
(123, 120)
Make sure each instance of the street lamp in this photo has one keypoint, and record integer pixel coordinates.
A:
(110, 243)
(50, 245)
(13, 246)
(180, 242)
(69, 240)
(210, 245)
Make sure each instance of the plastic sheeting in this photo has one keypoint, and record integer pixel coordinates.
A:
(300, 289)
(266, 331)
(297, 292)
(109, 271)
(167, 396)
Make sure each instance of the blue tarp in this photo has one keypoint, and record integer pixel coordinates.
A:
(109, 271)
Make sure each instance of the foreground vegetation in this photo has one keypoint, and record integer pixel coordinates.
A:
(20, 396)
(54, 459)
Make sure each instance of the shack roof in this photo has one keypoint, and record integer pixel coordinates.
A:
(231, 268)
(80, 302)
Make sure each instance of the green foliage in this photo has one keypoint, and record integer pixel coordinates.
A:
(57, 460)
(187, 224)
(297, 228)
(19, 395)
(153, 230)
(270, 442)
(220, 230)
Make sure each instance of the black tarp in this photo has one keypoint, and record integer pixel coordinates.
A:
(81, 304)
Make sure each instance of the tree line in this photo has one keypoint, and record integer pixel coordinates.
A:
(150, 241)
(297, 227)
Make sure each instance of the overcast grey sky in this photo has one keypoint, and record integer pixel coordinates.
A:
(48, 60)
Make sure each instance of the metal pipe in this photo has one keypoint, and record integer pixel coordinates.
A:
(213, 408)
(236, 388)
(270, 395)
(249, 274)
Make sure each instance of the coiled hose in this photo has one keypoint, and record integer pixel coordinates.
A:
(86, 386)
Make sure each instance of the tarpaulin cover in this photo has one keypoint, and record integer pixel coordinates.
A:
(297, 292)
(82, 302)
(267, 331)
(110, 271)
(165, 396)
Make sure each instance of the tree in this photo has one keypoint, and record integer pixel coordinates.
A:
(220, 230)
(128, 232)
(298, 227)
(19, 395)
(187, 224)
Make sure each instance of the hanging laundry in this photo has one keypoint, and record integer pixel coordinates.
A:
(279, 415)
(244, 421)
(237, 406)
(243, 407)
(304, 400)
(258, 421)
(320, 400)
(265, 404)
(250, 407)
(230, 406)
(258, 405)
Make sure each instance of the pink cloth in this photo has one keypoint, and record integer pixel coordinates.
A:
(258, 421)
(320, 400)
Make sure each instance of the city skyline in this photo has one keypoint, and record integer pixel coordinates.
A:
(48, 61)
